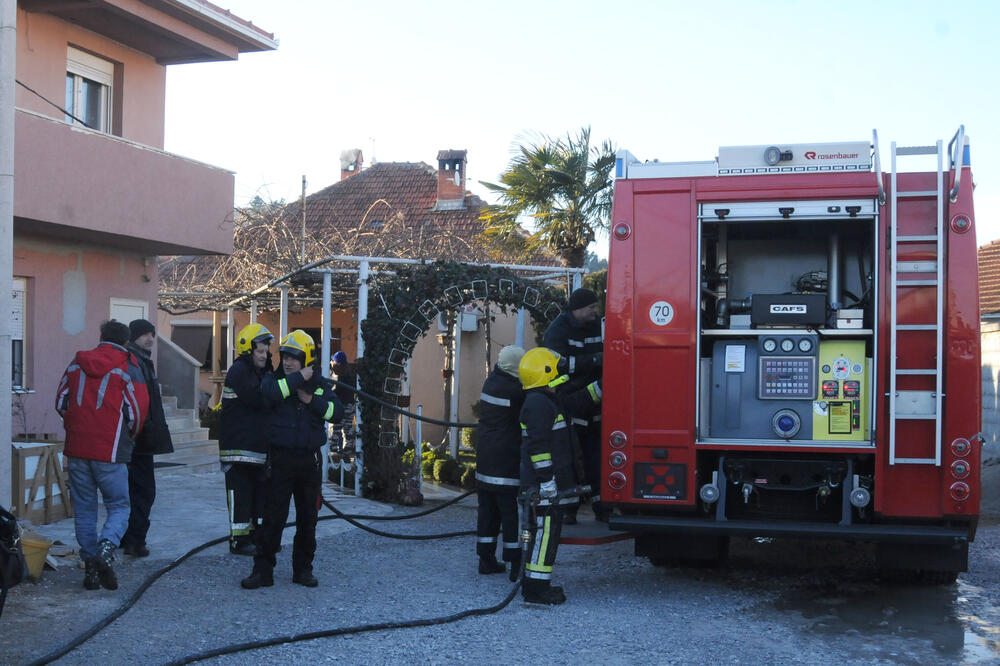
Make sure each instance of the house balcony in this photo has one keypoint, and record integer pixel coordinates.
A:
(75, 184)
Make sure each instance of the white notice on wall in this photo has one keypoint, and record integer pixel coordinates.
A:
(736, 358)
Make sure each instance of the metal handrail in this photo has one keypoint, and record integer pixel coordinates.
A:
(959, 141)
(878, 169)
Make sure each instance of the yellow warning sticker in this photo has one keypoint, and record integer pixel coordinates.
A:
(840, 418)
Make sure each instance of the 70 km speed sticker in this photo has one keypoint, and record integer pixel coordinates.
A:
(661, 313)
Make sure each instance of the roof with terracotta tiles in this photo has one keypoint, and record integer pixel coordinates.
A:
(989, 278)
(406, 189)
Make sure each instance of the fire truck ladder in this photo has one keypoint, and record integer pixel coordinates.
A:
(917, 405)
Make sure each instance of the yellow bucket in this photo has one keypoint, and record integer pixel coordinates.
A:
(35, 549)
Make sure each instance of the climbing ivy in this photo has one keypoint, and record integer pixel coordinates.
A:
(401, 310)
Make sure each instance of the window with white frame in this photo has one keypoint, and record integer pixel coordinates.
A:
(17, 378)
(88, 89)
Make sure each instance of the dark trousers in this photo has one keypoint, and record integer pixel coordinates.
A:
(245, 498)
(294, 474)
(542, 548)
(590, 451)
(141, 493)
(497, 510)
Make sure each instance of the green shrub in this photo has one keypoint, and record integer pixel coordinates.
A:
(427, 467)
(445, 470)
(469, 437)
(468, 479)
(211, 418)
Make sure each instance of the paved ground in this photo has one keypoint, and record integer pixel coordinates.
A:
(797, 602)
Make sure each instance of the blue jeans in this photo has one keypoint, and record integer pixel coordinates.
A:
(86, 477)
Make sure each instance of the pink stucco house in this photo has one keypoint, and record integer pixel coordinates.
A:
(96, 198)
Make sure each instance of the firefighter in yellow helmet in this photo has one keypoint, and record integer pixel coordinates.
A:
(301, 403)
(550, 463)
(242, 435)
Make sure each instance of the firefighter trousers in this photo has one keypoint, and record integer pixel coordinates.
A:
(295, 474)
(590, 450)
(542, 548)
(497, 510)
(245, 498)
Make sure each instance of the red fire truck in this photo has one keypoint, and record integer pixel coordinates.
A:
(792, 350)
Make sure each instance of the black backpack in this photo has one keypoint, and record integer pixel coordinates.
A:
(13, 567)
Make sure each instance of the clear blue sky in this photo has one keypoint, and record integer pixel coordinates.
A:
(669, 80)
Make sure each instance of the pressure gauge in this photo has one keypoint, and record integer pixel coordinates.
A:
(770, 345)
(805, 345)
(787, 345)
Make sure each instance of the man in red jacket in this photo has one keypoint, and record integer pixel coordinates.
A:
(102, 400)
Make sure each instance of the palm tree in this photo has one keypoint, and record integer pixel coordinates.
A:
(564, 185)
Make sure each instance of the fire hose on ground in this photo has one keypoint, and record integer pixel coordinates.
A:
(353, 520)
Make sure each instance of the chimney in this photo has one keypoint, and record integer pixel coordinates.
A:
(451, 180)
(350, 163)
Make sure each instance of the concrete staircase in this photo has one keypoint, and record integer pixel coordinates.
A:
(193, 450)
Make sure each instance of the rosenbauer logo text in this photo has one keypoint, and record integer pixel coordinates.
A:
(811, 155)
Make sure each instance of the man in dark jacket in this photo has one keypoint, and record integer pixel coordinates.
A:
(498, 447)
(302, 402)
(576, 336)
(102, 401)
(243, 434)
(549, 469)
(153, 439)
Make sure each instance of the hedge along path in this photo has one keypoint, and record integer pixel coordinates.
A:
(401, 310)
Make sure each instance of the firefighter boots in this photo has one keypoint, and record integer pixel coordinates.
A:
(136, 550)
(489, 565)
(305, 577)
(550, 595)
(242, 546)
(105, 556)
(258, 578)
(515, 570)
(91, 579)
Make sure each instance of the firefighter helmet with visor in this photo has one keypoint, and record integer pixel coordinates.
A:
(538, 368)
(251, 334)
(299, 344)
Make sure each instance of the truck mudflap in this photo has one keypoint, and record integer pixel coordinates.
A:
(926, 534)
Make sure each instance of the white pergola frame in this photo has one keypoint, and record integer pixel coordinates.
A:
(572, 276)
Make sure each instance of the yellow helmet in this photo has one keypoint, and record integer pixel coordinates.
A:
(538, 367)
(250, 334)
(299, 344)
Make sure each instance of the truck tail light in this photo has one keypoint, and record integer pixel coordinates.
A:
(622, 230)
(617, 460)
(961, 447)
(959, 491)
(618, 439)
(960, 224)
(960, 469)
(617, 481)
